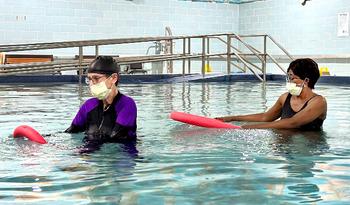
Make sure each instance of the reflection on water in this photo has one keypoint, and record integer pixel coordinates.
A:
(301, 150)
(173, 163)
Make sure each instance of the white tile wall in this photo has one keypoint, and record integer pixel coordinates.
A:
(302, 30)
(24, 21)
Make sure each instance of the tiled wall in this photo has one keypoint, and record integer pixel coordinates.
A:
(302, 30)
(24, 21)
(309, 29)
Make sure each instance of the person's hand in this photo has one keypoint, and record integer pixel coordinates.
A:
(224, 119)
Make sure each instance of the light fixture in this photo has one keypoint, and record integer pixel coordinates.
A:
(225, 1)
(304, 2)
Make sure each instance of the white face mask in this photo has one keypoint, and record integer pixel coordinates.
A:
(293, 89)
(100, 90)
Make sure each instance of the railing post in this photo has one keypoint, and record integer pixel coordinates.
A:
(80, 64)
(171, 53)
(184, 55)
(189, 53)
(96, 50)
(203, 55)
(80, 74)
(228, 54)
(208, 51)
(264, 59)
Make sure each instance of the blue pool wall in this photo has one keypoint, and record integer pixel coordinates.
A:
(165, 78)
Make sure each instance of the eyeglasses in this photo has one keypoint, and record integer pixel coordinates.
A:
(290, 78)
(94, 79)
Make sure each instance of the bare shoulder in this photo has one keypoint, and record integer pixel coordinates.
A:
(319, 103)
(284, 95)
(319, 99)
(283, 98)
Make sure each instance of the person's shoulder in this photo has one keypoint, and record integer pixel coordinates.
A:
(283, 97)
(323, 98)
(127, 101)
(127, 98)
(319, 99)
(91, 102)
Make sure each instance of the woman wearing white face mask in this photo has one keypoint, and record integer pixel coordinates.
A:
(299, 108)
(109, 116)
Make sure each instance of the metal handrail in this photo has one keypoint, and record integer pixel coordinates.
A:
(70, 44)
(265, 54)
(273, 40)
(222, 40)
(238, 53)
(275, 61)
(246, 64)
(248, 46)
(10, 68)
(272, 58)
(279, 46)
(242, 59)
(205, 55)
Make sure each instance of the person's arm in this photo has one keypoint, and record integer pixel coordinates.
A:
(315, 108)
(272, 114)
(78, 123)
(126, 119)
(74, 129)
(119, 132)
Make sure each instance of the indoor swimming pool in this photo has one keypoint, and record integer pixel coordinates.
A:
(173, 163)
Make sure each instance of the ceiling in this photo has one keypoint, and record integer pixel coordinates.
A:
(226, 1)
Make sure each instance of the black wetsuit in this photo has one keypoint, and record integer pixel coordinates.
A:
(115, 123)
(288, 112)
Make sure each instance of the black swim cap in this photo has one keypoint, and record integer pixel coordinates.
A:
(104, 65)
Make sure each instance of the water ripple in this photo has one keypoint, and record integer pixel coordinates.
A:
(173, 163)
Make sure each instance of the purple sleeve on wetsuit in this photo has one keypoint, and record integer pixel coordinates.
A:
(80, 118)
(127, 113)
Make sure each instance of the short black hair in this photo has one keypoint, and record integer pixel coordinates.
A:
(104, 65)
(305, 68)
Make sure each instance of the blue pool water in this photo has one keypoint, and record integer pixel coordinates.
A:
(173, 163)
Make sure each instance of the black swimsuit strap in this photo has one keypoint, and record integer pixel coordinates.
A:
(305, 104)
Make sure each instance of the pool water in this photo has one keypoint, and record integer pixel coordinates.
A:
(173, 163)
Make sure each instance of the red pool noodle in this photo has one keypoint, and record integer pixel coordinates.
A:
(30, 133)
(200, 121)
